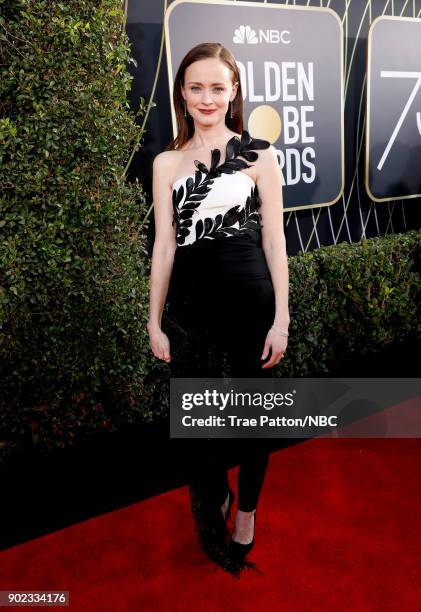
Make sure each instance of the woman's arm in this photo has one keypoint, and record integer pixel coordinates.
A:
(270, 182)
(163, 252)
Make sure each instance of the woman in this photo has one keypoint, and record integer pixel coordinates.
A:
(219, 256)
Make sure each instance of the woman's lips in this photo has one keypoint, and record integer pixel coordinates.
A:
(207, 112)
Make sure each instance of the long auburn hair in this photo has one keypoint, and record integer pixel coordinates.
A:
(185, 125)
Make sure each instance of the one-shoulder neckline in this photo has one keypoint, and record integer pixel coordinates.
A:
(244, 140)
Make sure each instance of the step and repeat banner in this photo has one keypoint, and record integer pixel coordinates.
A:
(334, 86)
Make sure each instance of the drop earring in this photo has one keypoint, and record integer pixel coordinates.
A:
(185, 109)
(231, 110)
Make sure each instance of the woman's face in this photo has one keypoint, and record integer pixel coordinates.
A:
(208, 86)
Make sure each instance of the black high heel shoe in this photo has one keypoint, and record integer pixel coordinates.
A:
(239, 551)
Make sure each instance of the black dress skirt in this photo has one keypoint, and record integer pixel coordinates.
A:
(222, 295)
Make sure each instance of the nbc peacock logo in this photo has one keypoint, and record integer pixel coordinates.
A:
(245, 34)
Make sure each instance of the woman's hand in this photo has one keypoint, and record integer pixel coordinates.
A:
(160, 343)
(278, 344)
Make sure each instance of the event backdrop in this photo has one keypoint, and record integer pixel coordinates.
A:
(334, 85)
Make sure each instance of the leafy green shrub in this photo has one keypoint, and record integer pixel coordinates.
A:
(350, 299)
(74, 348)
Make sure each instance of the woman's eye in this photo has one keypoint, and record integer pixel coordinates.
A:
(216, 88)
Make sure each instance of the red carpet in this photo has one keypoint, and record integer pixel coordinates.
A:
(339, 529)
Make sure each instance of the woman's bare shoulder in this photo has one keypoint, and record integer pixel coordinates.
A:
(164, 165)
(165, 160)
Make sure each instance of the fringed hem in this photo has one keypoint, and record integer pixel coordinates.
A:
(212, 531)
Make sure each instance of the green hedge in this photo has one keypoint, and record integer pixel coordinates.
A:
(352, 299)
(73, 289)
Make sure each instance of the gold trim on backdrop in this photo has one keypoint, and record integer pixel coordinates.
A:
(262, 6)
(367, 132)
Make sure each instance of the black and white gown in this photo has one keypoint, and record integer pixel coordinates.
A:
(221, 293)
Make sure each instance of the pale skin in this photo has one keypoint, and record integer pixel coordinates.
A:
(208, 84)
